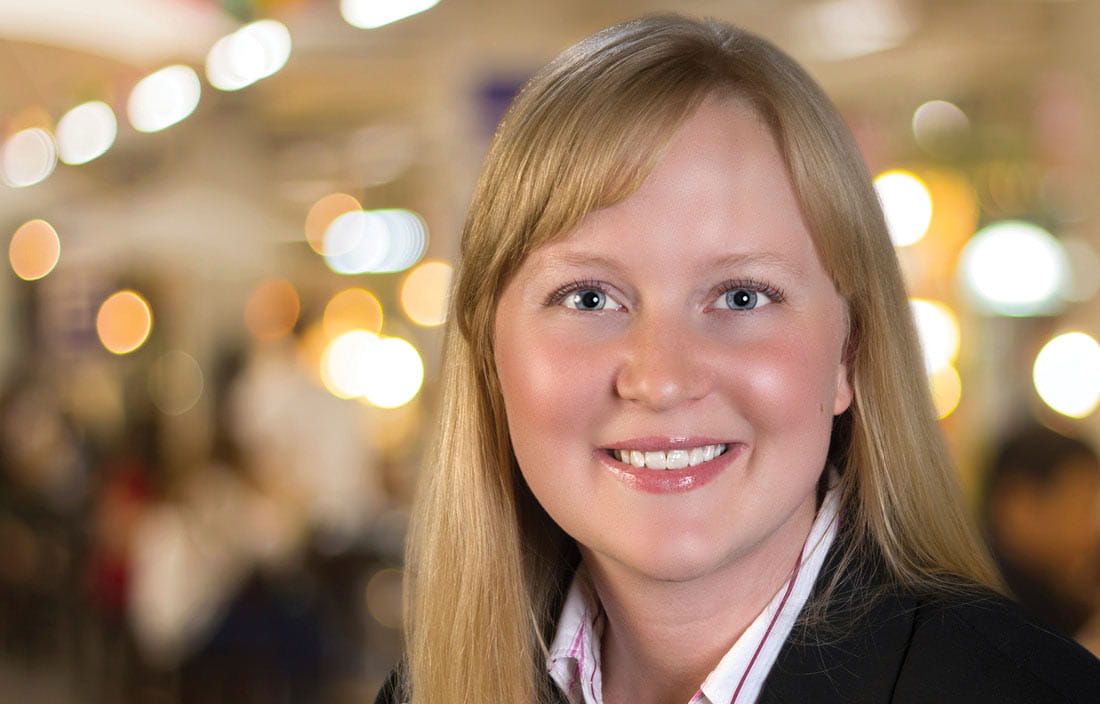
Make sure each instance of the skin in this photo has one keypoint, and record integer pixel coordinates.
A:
(666, 358)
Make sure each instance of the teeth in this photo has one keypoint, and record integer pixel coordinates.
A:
(673, 459)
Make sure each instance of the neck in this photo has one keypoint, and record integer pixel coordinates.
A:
(662, 638)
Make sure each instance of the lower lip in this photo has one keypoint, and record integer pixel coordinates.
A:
(670, 481)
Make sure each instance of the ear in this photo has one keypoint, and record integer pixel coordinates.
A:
(843, 398)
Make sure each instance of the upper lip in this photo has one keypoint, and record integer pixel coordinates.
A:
(663, 443)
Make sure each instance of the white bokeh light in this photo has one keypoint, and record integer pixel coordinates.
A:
(385, 371)
(28, 157)
(253, 52)
(1067, 374)
(345, 364)
(164, 98)
(936, 120)
(375, 241)
(86, 132)
(1014, 268)
(398, 373)
(938, 328)
(369, 14)
(907, 205)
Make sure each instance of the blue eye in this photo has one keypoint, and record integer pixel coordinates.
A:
(743, 299)
(587, 299)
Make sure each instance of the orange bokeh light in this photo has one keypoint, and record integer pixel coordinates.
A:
(352, 309)
(124, 322)
(35, 250)
(272, 310)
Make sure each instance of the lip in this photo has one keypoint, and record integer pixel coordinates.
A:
(668, 481)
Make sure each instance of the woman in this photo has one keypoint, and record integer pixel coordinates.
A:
(687, 451)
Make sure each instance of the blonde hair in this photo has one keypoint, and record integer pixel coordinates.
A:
(486, 567)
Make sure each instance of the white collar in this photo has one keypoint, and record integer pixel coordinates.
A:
(574, 656)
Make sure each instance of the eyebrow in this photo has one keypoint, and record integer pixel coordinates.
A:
(732, 260)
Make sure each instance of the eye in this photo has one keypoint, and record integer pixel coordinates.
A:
(746, 297)
(589, 299)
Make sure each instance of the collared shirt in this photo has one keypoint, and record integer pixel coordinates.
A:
(574, 660)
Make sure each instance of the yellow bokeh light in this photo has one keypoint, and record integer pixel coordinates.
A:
(124, 322)
(938, 328)
(946, 390)
(906, 204)
(352, 309)
(272, 310)
(424, 293)
(955, 215)
(322, 214)
(1066, 374)
(35, 250)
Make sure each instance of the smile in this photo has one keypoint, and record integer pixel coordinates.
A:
(672, 459)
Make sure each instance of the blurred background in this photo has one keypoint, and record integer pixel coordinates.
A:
(230, 229)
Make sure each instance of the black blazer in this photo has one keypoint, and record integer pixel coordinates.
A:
(876, 645)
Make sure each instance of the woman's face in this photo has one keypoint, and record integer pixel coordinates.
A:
(690, 324)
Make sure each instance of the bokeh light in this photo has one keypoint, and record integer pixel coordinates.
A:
(176, 382)
(938, 328)
(946, 390)
(424, 293)
(124, 322)
(383, 597)
(345, 365)
(1014, 268)
(907, 205)
(369, 14)
(321, 215)
(272, 310)
(250, 54)
(1066, 374)
(398, 376)
(164, 98)
(375, 241)
(386, 371)
(937, 125)
(28, 157)
(352, 309)
(86, 132)
(35, 250)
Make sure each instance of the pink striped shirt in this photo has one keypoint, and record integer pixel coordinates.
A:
(574, 659)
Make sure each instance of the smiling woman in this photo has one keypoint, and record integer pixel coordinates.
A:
(687, 452)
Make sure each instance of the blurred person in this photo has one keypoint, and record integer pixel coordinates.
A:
(1041, 512)
(687, 449)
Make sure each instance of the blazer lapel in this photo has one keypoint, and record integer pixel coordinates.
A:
(854, 654)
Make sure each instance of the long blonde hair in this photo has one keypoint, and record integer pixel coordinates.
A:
(485, 565)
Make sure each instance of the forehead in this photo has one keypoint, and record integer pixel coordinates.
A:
(720, 189)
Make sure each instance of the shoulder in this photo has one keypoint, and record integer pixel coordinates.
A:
(977, 646)
(393, 689)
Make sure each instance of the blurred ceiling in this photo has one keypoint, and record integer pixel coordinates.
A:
(55, 53)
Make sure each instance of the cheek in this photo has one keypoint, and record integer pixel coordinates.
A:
(547, 385)
(789, 379)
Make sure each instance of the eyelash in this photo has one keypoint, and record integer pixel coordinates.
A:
(572, 287)
(775, 294)
(755, 285)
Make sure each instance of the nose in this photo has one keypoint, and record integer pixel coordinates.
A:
(664, 365)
